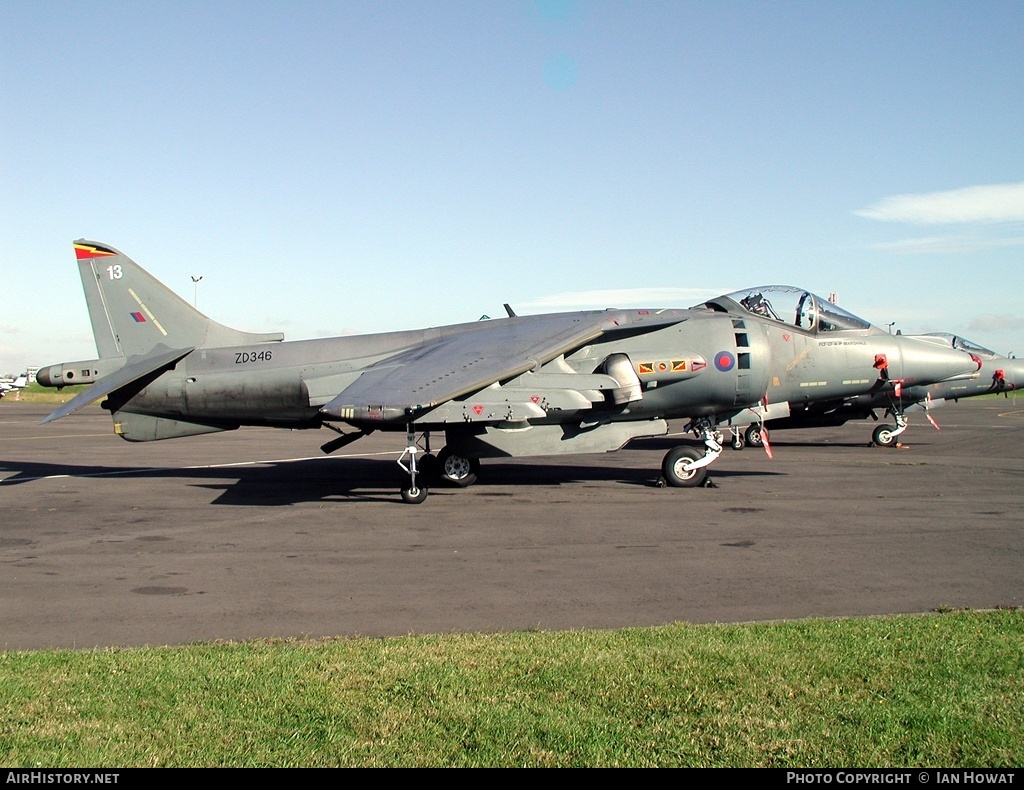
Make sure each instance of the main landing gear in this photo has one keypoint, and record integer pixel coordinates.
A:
(456, 469)
(421, 465)
(687, 467)
(753, 436)
(682, 467)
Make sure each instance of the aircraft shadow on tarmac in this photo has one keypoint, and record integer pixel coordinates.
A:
(355, 479)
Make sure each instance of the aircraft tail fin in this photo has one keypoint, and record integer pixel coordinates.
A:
(132, 312)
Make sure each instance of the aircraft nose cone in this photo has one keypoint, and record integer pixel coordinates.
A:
(927, 363)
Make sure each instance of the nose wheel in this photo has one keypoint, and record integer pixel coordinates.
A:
(885, 435)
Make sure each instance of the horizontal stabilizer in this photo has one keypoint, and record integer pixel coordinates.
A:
(133, 371)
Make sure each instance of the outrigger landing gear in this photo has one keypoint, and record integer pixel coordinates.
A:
(412, 492)
(686, 467)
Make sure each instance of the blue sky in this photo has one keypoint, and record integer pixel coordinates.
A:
(337, 167)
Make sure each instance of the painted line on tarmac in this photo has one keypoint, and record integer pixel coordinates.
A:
(57, 436)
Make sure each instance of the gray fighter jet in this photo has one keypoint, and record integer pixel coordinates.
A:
(518, 386)
(996, 375)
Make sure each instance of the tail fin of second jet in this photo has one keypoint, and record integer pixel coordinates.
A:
(132, 312)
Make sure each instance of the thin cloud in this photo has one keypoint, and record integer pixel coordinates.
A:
(980, 204)
(947, 244)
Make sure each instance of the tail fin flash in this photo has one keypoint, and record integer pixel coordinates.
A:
(132, 312)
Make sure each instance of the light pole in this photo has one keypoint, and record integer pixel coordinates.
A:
(195, 290)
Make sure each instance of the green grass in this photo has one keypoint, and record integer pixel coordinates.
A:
(945, 689)
(36, 393)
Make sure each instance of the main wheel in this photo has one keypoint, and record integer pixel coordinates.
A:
(413, 495)
(674, 468)
(427, 464)
(753, 436)
(457, 469)
(882, 436)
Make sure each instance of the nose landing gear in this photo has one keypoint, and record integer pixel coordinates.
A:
(885, 435)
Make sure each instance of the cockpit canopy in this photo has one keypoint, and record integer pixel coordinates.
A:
(796, 307)
(962, 344)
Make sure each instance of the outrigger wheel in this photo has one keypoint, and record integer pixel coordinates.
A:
(412, 492)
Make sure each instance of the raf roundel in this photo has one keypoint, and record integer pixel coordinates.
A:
(724, 361)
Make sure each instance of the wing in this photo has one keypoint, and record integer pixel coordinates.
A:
(476, 356)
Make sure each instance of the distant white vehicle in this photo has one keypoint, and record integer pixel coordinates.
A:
(13, 386)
